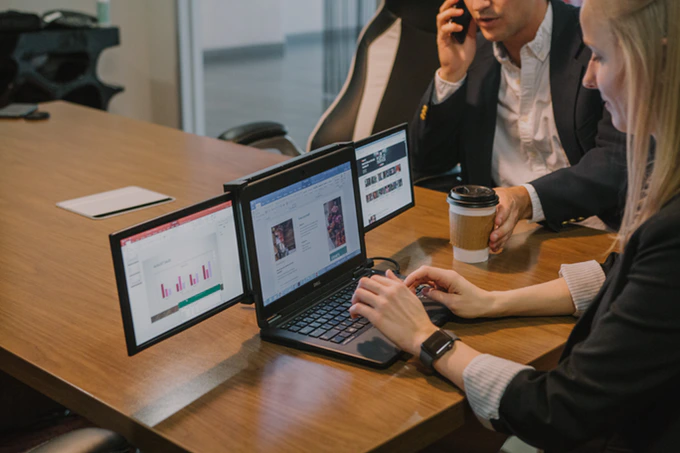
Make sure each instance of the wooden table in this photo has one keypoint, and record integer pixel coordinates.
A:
(216, 386)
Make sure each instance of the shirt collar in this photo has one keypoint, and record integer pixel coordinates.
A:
(540, 46)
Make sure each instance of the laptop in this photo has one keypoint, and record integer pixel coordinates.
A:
(174, 271)
(384, 172)
(307, 253)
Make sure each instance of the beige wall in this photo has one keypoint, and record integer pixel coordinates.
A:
(145, 63)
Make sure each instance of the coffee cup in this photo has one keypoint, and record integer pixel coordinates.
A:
(472, 210)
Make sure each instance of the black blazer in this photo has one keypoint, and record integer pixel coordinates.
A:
(462, 128)
(619, 377)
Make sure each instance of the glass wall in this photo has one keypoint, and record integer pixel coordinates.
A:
(277, 60)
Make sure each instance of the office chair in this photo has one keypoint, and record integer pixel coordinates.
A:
(395, 60)
(85, 440)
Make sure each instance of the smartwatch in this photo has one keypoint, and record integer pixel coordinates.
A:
(438, 344)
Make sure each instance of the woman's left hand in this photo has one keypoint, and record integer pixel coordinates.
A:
(393, 308)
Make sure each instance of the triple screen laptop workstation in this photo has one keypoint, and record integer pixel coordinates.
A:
(289, 239)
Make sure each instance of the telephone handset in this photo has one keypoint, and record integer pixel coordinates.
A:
(463, 20)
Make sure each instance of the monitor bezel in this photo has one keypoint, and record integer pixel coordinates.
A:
(379, 136)
(276, 182)
(121, 279)
(282, 166)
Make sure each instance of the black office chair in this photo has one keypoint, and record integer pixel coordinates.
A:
(399, 46)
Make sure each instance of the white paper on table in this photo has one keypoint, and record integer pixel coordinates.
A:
(114, 202)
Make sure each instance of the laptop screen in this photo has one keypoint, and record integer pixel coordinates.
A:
(384, 176)
(177, 271)
(305, 230)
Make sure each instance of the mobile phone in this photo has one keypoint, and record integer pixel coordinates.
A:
(17, 110)
(463, 20)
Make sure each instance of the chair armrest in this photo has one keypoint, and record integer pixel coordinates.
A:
(86, 440)
(246, 134)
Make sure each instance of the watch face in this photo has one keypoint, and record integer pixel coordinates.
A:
(437, 343)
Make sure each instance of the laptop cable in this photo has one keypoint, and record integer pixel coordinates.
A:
(371, 262)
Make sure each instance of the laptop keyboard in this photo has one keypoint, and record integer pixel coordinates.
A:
(330, 320)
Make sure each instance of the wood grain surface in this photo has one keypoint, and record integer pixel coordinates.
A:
(216, 386)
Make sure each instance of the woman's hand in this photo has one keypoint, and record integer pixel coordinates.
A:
(391, 307)
(450, 289)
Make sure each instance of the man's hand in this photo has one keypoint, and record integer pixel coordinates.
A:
(454, 58)
(514, 205)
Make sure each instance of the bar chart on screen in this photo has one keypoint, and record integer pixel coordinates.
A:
(193, 277)
(190, 275)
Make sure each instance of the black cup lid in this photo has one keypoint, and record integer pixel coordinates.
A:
(470, 196)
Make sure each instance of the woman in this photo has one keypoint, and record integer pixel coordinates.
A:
(280, 249)
(617, 387)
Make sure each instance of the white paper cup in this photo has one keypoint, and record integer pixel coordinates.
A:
(472, 210)
(478, 255)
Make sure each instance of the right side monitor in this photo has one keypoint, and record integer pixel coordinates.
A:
(385, 183)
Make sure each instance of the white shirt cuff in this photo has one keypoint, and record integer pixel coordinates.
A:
(486, 377)
(443, 88)
(537, 214)
(584, 281)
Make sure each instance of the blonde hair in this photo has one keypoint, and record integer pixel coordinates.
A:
(648, 34)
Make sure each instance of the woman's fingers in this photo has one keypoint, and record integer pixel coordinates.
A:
(435, 295)
(366, 297)
(385, 282)
(364, 310)
(371, 284)
(445, 279)
(392, 276)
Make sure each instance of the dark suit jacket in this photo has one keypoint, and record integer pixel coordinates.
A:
(461, 130)
(619, 377)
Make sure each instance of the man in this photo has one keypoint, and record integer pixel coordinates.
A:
(508, 105)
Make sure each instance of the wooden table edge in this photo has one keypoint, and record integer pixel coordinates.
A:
(85, 404)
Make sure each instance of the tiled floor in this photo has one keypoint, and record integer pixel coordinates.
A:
(284, 88)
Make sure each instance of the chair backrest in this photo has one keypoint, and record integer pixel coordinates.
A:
(395, 60)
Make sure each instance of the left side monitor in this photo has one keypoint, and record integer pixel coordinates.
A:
(177, 270)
